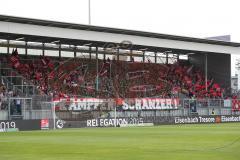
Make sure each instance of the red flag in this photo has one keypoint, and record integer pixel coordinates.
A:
(51, 75)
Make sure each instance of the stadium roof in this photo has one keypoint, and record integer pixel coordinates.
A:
(124, 34)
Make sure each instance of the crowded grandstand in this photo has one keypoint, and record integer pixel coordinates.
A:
(123, 79)
(73, 74)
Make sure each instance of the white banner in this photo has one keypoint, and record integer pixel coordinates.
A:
(151, 104)
(125, 104)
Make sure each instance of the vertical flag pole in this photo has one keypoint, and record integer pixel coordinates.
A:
(206, 74)
(89, 12)
(54, 115)
(115, 116)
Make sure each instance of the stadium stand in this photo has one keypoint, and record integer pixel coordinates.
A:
(127, 79)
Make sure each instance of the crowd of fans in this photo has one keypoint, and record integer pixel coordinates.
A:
(191, 81)
(2, 96)
(166, 80)
(131, 79)
(55, 77)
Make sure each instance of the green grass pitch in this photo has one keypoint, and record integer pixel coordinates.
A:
(167, 142)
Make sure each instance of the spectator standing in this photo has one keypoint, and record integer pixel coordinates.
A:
(18, 106)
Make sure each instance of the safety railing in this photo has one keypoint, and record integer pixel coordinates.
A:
(36, 107)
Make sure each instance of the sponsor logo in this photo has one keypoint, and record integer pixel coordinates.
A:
(113, 122)
(44, 124)
(179, 120)
(60, 124)
(182, 120)
(206, 119)
(230, 118)
(218, 119)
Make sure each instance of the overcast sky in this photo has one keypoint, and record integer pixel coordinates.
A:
(195, 18)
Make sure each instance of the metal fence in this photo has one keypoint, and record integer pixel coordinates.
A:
(35, 107)
(41, 107)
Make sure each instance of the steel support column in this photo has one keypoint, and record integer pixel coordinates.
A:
(166, 58)
(43, 49)
(26, 48)
(59, 51)
(143, 56)
(90, 52)
(8, 44)
(75, 52)
(206, 72)
(97, 69)
(118, 54)
(155, 57)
